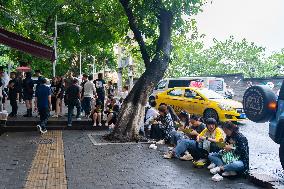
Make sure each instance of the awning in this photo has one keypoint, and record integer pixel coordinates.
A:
(26, 45)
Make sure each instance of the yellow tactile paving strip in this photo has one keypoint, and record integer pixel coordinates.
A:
(48, 167)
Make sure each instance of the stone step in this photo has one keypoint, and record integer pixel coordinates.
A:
(50, 127)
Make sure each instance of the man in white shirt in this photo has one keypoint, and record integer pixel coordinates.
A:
(89, 92)
(150, 114)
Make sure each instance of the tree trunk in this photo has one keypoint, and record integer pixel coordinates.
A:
(133, 108)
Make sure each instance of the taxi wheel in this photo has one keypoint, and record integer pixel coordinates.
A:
(211, 113)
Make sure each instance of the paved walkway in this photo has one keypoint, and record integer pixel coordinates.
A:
(30, 160)
(48, 166)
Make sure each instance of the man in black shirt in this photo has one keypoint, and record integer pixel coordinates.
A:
(13, 94)
(73, 100)
(100, 89)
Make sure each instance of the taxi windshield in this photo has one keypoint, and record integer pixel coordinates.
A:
(210, 94)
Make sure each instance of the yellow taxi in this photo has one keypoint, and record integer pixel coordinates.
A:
(203, 102)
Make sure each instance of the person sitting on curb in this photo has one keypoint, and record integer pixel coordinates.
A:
(183, 125)
(112, 111)
(207, 142)
(162, 126)
(151, 113)
(233, 159)
(189, 142)
(97, 114)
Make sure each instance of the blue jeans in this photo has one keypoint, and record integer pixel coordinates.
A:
(86, 105)
(216, 158)
(183, 145)
(176, 136)
(71, 105)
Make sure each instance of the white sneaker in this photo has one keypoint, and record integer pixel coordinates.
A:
(211, 166)
(79, 119)
(186, 157)
(106, 124)
(170, 148)
(217, 178)
(161, 142)
(229, 173)
(168, 155)
(153, 146)
(100, 124)
(215, 170)
(39, 128)
(55, 116)
(94, 124)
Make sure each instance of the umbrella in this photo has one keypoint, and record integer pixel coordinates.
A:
(23, 69)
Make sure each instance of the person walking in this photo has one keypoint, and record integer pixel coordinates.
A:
(88, 94)
(13, 94)
(28, 92)
(43, 104)
(73, 100)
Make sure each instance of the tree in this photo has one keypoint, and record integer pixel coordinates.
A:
(156, 19)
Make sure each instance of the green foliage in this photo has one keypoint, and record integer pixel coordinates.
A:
(191, 58)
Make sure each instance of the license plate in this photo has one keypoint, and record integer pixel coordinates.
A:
(243, 116)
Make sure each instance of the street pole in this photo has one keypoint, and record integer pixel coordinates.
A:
(55, 47)
(94, 64)
(80, 64)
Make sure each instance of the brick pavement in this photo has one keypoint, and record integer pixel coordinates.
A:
(131, 166)
(48, 167)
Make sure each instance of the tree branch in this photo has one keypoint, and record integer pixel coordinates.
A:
(137, 33)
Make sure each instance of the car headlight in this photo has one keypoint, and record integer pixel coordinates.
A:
(225, 107)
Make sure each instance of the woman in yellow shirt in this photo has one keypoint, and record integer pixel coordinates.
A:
(207, 140)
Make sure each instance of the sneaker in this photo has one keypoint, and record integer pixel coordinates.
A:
(215, 170)
(168, 155)
(211, 166)
(69, 125)
(170, 148)
(44, 131)
(78, 119)
(100, 124)
(39, 128)
(55, 116)
(106, 124)
(94, 124)
(161, 142)
(217, 178)
(229, 173)
(153, 146)
(186, 157)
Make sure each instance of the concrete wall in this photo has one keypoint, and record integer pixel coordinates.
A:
(239, 84)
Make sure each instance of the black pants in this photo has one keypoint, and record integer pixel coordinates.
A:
(71, 105)
(199, 153)
(44, 115)
(157, 133)
(13, 103)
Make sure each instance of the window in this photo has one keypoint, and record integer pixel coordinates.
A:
(178, 83)
(161, 85)
(176, 92)
(189, 93)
